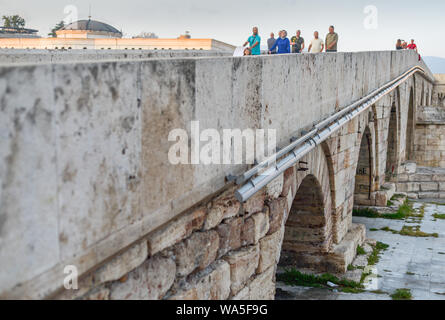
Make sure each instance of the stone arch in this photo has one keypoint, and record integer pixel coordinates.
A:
(364, 177)
(308, 227)
(410, 129)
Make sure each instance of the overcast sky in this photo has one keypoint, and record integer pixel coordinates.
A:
(231, 20)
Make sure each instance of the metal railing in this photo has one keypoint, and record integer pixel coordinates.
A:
(256, 180)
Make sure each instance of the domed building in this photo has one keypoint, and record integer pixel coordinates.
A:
(88, 29)
(96, 35)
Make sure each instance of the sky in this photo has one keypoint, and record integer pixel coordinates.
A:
(376, 28)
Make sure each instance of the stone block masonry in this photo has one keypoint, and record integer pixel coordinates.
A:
(193, 261)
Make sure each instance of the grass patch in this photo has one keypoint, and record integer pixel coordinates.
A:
(414, 231)
(375, 254)
(441, 252)
(360, 250)
(373, 229)
(388, 229)
(411, 231)
(404, 211)
(389, 203)
(402, 294)
(351, 267)
(410, 273)
(296, 278)
(439, 216)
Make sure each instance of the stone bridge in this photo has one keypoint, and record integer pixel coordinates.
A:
(86, 181)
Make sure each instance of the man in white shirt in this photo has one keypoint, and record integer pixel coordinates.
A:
(316, 45)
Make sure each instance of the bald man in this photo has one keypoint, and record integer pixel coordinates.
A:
(316, 45)
(254, 42)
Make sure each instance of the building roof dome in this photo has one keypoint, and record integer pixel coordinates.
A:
(91, 25)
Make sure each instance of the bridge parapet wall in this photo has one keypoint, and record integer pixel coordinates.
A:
(84, 155)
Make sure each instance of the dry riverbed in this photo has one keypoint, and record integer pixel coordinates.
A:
(410, 262)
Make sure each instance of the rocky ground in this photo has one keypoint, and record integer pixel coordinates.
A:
(413, 260)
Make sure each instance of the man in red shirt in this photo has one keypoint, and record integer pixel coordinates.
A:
(412, 45)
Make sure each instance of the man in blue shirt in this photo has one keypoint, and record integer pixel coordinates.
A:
(282, 43)
(254, 42)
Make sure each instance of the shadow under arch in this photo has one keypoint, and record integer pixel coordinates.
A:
(364, 177)
(306, 233)
(310, 228)
(422, 95)
(393, 139)
(411, 125)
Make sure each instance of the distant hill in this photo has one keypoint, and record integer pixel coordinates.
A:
(436, 64)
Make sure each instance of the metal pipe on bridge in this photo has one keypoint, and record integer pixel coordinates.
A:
(321, 132)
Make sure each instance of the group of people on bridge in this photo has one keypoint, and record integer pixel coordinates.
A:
(296, 44)
(402, 45)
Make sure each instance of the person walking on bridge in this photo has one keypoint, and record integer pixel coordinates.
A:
(297, 43)
(282, 43)
(316, 45)
(254, 42)
(331, 40)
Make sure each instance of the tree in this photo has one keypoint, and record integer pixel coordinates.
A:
(14, 21)
(58, 26)
(149, 35)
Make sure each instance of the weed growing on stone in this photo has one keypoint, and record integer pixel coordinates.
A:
(375, 254)
(439, 216)
(410, 273)
(402, 294)
(360, 250)
(364, 275)
(296, 278)
(373, 229)
(389, 203)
